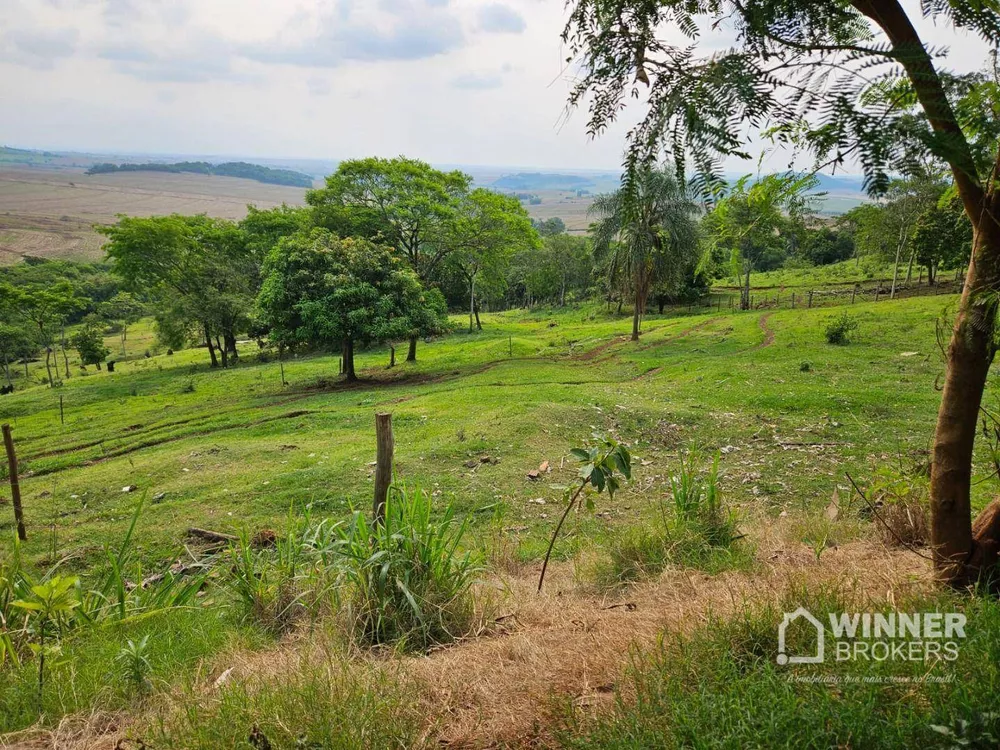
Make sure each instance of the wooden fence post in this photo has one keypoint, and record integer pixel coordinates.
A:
(793, 300)
(15, 488)
(810, 300)
(62, 418)
(384, 446)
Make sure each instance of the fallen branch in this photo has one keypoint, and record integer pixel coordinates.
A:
(207, 535)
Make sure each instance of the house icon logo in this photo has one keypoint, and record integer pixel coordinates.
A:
(789, 618)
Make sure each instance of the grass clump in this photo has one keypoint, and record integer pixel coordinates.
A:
(721, 686)
(320, 703)
(408, 583)
(692, 528)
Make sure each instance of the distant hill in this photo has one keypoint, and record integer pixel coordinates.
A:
(243, 169)
(540, 181)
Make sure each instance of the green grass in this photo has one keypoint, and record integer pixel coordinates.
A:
(720, 686)
(237, 451)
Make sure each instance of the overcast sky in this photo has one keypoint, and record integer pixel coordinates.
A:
(448, 81)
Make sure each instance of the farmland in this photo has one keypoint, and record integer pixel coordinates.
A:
(50, 213)
(237, 451)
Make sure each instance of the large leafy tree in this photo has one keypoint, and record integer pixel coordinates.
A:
(400, 202)
(323, 291)
(16, 342)
(650, 229)
(942, 236)
(198, 269)
(485, 231)
(814, 72)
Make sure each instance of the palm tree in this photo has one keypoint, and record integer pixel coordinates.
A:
(649, 227)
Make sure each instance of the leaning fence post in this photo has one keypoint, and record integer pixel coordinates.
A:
(15, 488)
(383, 464)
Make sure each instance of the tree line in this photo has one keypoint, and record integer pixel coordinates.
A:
(247, 171)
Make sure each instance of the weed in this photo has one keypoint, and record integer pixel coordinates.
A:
(133, 660)
(409, 584)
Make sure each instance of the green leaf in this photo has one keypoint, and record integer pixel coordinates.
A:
(581, 454)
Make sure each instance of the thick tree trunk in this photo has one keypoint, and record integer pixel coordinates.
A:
(208, 343)
(970, 355)
(229, 339)
(411, 355)
(349, 361)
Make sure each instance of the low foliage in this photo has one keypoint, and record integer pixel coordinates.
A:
(408, 582)
(692, 528)
(839, 329)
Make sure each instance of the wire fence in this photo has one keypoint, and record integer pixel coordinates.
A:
(775, 299)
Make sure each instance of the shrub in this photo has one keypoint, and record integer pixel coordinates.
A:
(409, 584)
(838, 330)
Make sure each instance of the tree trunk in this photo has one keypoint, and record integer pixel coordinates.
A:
(349, 361)
(931, 273)
(970, 354)
(562, 294)
(411, 355)
(472, 299)
(223, 353)
(661, 302)
(745, 292)
(635, 321)
(229, 339)
(208, 343)
(62, 344)
(479, 326)
(48, 366)
(6, 369)
(392, 356)
(621, 300)
(895, 265)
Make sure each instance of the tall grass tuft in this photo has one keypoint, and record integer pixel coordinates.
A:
(409, 584)
(693, 528)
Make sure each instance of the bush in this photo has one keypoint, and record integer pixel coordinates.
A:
(408, 584)
(838, 330)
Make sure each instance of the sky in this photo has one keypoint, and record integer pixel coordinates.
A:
(448, 81)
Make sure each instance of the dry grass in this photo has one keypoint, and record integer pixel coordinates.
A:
(568, 644)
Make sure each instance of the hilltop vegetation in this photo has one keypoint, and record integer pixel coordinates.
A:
(267, 175)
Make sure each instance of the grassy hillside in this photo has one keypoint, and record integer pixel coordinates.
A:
(236, 451)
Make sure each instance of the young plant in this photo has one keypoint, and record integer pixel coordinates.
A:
(49, 608)
(600, 464)
(134, 662)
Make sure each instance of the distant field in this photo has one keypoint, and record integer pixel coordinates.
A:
(50, 213)
(565, 205)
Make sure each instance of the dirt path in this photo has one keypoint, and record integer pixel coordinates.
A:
(768, 332)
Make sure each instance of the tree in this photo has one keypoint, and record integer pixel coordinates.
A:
(16, 342)
(650, 229)
(197, 269)
(942, 236)
(753, 219)
(810, 68)
(485, 230)
(402, 202)
(89, 344)
(825, 245)
(549, 227)
(322, 291)
(123, 309)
